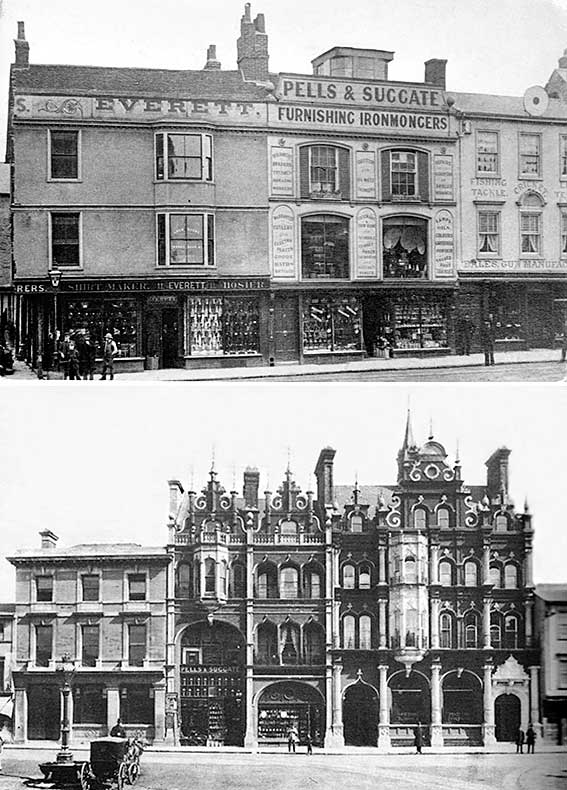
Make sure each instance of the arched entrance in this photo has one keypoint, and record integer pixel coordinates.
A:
(44, 716)
(290, 703)
(507, 716)
(410, 704)
(360, 715)
(212, 685)
(462, 710)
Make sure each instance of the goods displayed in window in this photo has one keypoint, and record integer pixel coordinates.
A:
(219, 326)
(404, 248)
(332, 324)
(416, 324)
(508, 323)
(274, 722)
(96, 317)
(324, 247)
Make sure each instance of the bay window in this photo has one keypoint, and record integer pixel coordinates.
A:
(186, 240)
(187, 157)
(404, 248)
(325, 247)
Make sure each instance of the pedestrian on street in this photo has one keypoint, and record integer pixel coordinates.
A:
(73, 361)
(488, 337)
(63, 352)
(118, 730)
(108, 353)
(530, 739)
(309, 741)
(418, 738)
(564, 343)
(467, 330)
(87, 358)
(520, 738)
(291, 738)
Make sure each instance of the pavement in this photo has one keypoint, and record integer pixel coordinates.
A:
(294, 371)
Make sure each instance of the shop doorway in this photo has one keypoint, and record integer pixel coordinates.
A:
(375, 324)
(286, 329)
(162, 336)
(360, 715)
(286, 704)
(43, 713)
(507, 714)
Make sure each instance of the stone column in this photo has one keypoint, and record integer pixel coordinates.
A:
(534, 699)
(434, 564)
(486, 623)
(436, 724)
(382, 565)
(528, 569)
(488, 704)
(328, 705)
(20, 715)
(112, 707)
(529, 622)
(337, 722)
(384, 721)
(159, 712)
(435, 604)
(486, 563)
(382, 623)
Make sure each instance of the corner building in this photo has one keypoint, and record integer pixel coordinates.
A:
(353, 614)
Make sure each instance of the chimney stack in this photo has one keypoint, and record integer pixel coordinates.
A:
(252, 47)
(212, 62)
(435, 72)
(324, 475)
(497, 475)
(48, 539)
(22, 48)
(251, 487)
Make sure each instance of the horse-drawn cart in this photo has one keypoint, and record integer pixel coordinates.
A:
(113, 763)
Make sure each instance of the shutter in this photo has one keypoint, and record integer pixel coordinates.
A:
(304, 180)
(386, 176)
(344, 173)
(161, 239)
(423, 176)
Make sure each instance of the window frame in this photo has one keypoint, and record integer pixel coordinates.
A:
(320, 193)
(95, 657)
(49, 658)
(498, 214)
(349, 617)
(521, 173)
(320, 218)
(131, 644)
(207, 161)
(563, 229)
(343, 585)
(90, 576)
(137, 596)
(446, 617)
(563, 157)
(40, 598)
(487, 173)
(289, 588)
(367, 644)
(401, 196)
(55, 179)
(449, 564)
(208, 240)
(52, 260)
(536, 213)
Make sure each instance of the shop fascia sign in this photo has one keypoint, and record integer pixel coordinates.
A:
(476, 266)
(229, 284)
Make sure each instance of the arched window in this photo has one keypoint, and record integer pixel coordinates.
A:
(364, 577)
(510, 576)
(511, 632)
(348, 577)
(410, 570)
(419, 518)
(471, 573)
(356, 523)
(530, 224)
(445, 630)
(349, 632)
(223, 578)
(501, 523)
(210, 581)
(290, 644)
(325, 247)
(288, 528)
(495, 631)
(404, 248)
(445, 573)
(443, 518)
(495, 576)
(314, 643)
(288, 582)
(267, 639)
(312, 582)
(184, 580)
(365, 632)
(267, 580)
(471, 630)
(238, 588)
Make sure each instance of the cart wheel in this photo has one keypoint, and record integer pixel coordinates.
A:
(133, 771)
(84, 776)
(122, 777)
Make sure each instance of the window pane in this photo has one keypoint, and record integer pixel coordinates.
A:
(471, 574)
(90, 639)
(487, 152)
(136, 645)
(43, 645)
(288, 580)
(364, 578)
(184, 156)
(445, 574)
(348, 632)
(65, 239)
(529, 154)
(348, 577)
(44, 588)
(64, 155)
(137, 587)
(210, 580)
(365, 632)
(90, 588)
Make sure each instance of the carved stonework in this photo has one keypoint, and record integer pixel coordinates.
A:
(510, 670)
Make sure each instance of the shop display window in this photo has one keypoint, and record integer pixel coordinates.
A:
(332, 324)
(89, 705)
(224, 326)
(98, 316)
(404, 248)
(507, 313)
(274, 721)
(414, 324)
(325, 247)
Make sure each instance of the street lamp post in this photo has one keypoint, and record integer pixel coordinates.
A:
(55, 275)
(66, 668)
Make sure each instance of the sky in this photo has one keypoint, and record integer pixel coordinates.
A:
(91, 462)
(500, 47)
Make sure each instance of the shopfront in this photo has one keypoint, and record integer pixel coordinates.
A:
(290, 704)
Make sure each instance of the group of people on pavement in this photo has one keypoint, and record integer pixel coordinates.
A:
(293, 740)
(75, 355)
(528, 737)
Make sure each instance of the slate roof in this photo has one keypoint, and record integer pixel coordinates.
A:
(552, 592)
(107, 550)
(147, 83)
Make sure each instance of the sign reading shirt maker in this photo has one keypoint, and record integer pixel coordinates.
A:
(146, 286)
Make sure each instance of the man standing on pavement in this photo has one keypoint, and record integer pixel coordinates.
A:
(530, 739)
(418, 738)
(467, 330)
(108, 353)
(488, 337)
(520, 738)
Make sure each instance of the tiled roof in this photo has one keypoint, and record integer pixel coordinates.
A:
(503, 105)
(110, 81)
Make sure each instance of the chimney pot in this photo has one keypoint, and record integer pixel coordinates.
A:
(251, 487)
(48, 539)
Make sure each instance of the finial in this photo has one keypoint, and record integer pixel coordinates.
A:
(356, 491)
(234, 477)
(457, 455)
(288, 469)
(430, 437)
(526, 506)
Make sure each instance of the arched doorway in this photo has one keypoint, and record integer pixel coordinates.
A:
(44, 717)
(507, 716)
(462, 708)
(212, 685)
(360, 715)
(410, 704)
(290, 703)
